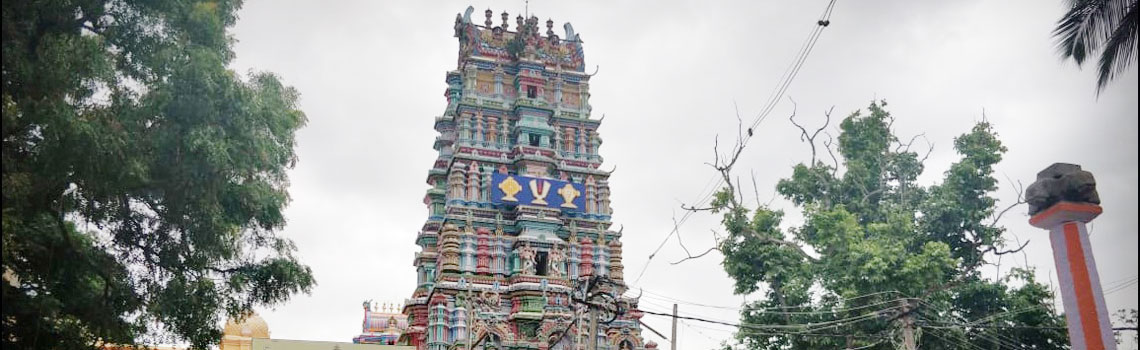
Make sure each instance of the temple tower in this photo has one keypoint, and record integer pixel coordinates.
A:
(518, 208)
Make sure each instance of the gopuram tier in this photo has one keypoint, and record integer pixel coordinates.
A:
(517, 243)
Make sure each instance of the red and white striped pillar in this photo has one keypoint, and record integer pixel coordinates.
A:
(1085, 310)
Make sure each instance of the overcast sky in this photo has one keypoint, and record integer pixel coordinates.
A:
(371, 78)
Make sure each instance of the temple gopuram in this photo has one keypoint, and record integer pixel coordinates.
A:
(383, 324)
(517, 239)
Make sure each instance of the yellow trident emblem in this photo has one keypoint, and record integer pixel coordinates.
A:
(569, 193)
(539, 188)
(510, 188)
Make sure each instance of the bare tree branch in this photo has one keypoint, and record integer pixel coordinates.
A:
(695, 208)
(796, 246)
(905, 147)
(691, 257)
(867, 195)
(827, 146)
(739, 127)
(681, 243)
(724, 165)
(740, 195)
(716, 151)
(804, 135)
(993, 249)
(928, 151)
(772, 199)
(1020, 189)
(755, 189)
(1024, 256)
(826, 121)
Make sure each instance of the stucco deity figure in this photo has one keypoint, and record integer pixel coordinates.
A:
(557, 257)
(527, 256)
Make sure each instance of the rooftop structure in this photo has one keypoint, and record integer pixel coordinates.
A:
(383, 324)
(252, 333)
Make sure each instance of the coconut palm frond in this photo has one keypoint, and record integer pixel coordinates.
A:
(1084, 28)
(1108, 26)
(1120, 49)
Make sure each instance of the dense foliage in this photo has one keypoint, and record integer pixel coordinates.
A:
(877, 250)
(143, 180)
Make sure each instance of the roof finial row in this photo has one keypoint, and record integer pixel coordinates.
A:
(369, 305)
(521, 22)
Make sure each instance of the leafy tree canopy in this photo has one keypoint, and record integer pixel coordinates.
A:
(143, 180)
(876, 248)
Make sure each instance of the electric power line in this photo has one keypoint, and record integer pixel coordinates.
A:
(706, 194)
(662, 297)
(777, 94)
(796, 329)
(1122, 286)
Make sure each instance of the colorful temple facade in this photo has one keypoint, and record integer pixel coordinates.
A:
(518, 209)
(383, 324)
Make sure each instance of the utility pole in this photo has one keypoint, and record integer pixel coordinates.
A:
(907, 325)
(673, 339)
(593, 328)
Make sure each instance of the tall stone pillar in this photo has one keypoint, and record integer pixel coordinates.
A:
(1063, 200)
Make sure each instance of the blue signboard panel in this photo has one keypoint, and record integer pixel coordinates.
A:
(517, 189)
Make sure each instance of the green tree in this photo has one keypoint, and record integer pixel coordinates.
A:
(1110, 26)
(876, 250)
(143, 180)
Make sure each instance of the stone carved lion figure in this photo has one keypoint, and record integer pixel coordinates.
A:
(1061, 182)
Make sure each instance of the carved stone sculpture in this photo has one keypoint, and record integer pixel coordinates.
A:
(1061, 182)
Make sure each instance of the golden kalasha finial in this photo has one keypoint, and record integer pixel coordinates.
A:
(505, 18)
(488, 22)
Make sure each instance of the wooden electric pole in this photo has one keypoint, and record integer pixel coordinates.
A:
(908, 325)
(593, 342)
(673, 339)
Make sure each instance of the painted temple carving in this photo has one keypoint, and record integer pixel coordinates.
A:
(518, 208)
